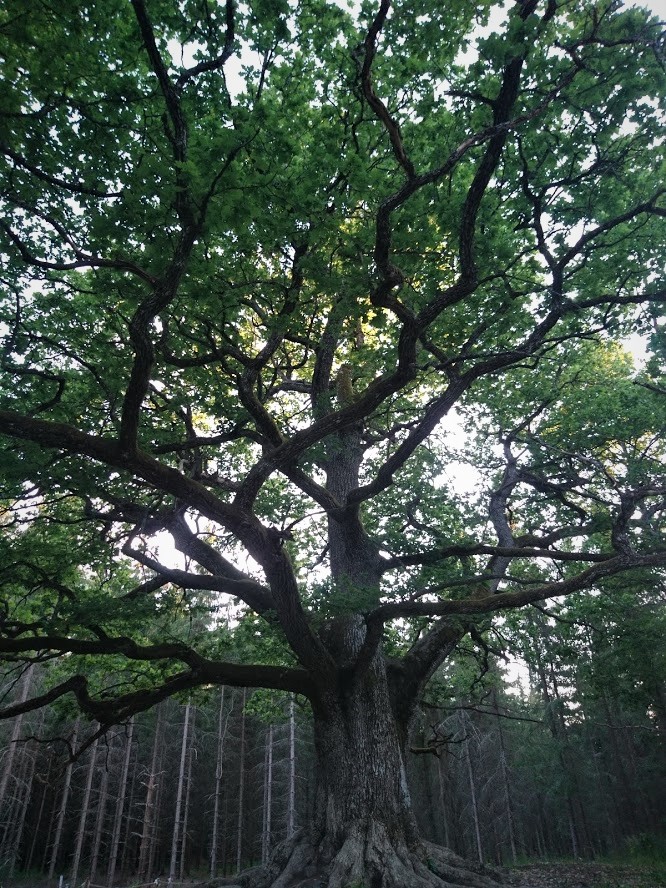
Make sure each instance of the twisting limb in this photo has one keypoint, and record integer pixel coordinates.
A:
(379, 108)
(202, 671)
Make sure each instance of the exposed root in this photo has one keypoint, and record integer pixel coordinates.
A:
(459, 871)
(367, 859)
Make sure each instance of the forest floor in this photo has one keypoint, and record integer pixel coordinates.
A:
(588, 874)
(583, 874)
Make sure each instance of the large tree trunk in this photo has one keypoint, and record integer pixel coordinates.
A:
(363, 832)
(362, 805)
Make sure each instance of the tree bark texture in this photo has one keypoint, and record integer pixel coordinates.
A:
(363, 832)
(63, 808)
(177, 840)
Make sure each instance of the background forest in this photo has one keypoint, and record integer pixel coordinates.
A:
(558, 755)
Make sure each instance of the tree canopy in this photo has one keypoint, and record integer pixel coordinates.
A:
(334, 299)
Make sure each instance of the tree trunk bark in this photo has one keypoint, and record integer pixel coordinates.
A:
(38, 832)
(188, 798)
(268, 796)
(11, 858)
(129, 830)
(466, 738)
(99, 822)
(363, 831)
(510, 820)
(7, 774)
(120, 806)
(219, 766)
(148, 826)
(241, 789)
(176, 839)
(291, 789)
(83, 816)
(63, 807)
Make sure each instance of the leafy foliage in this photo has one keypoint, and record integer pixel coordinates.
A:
(274, 274)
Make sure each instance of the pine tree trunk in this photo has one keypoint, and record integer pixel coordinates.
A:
(291, 787)
(221, 733)
(128, 833)
(53, 817)
(179, 797)
(268, 796)
(85, 805)
(8, 762)
(186, 815)
(241, 789)
(21, 809)
(510, 820)
(148, 826)
(472, 785)
(99, 822)
(8, 792)
(154, 846)
(444, 813)
(38, 833)
(63, 807)
(120, 806)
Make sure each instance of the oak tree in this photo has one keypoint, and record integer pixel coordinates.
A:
(332, 299)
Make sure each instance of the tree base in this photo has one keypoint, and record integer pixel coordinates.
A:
(367, 859)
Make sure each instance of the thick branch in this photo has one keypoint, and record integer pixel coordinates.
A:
(178, 136)
(520, 597)
(264, 544)
(379, 108)
(110, 711)
(247, 590)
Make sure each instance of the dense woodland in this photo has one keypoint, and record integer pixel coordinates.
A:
(567, 760)
(317, 416)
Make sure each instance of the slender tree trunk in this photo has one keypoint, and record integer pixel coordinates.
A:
(241, 789)
(472, 785)
(42, 804)
(579, 829)
(120, 806)
(155, 835)
(179, 796)
(572, 831)
(291, 784)
(268, 796)
(554, 717)
(219, 766)
(126, 843)
(444, 812)
(540, 840)
(11, 789)
(21, 809)
(99, 822)
(510, 820)
(63, 807)
(188, 787)
(85, 806)
(10, 753)
(148, 825)
(53, 817)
